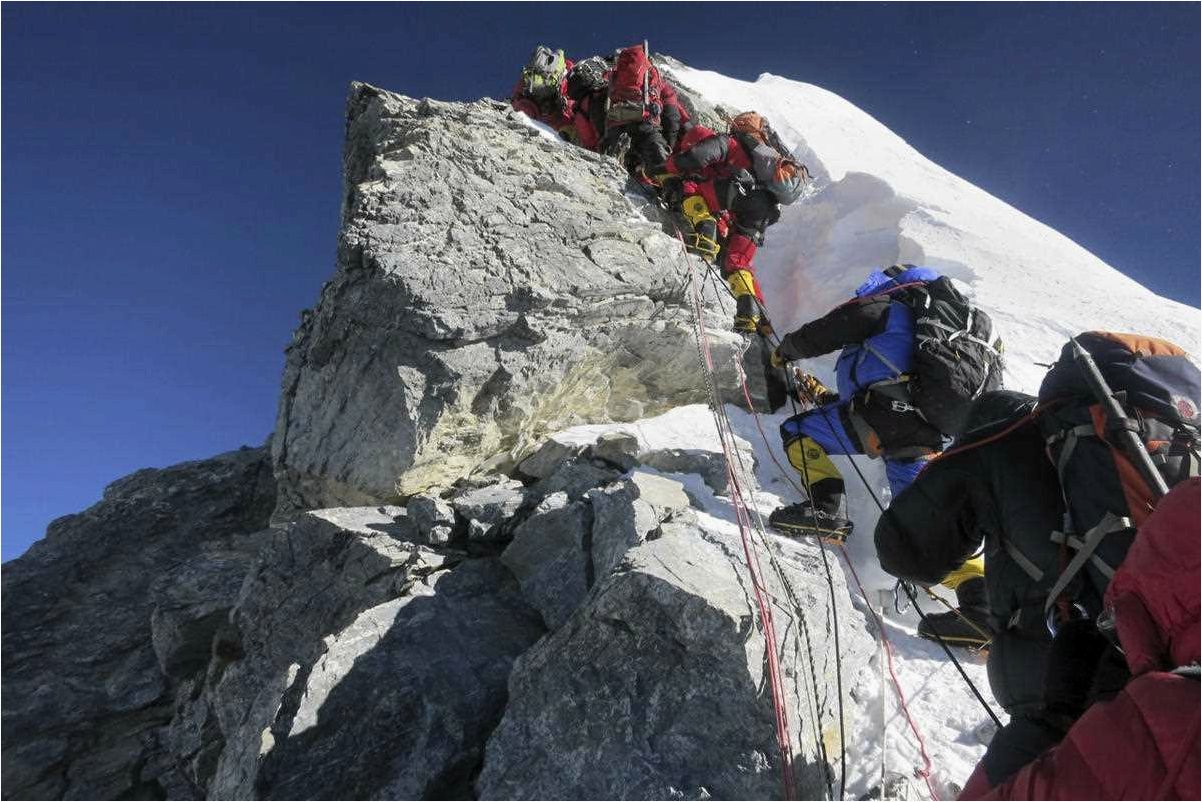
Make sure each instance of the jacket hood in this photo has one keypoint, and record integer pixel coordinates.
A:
(1154, 595)
(877, 281)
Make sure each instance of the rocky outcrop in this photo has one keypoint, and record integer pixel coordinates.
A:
(361, 665)
(105, 615)
(563, 616)
(493, 285)
(654, 686)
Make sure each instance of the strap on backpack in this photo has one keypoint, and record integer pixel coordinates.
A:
(956, 334)
(1191, 671)
(1085, 547)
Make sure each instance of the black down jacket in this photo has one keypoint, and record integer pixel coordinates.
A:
(994, 486)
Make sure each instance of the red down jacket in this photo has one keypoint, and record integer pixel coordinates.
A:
(1144, 743)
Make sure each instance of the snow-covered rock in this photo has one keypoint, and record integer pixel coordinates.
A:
(655, 687)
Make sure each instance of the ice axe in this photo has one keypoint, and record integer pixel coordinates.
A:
(1119, 425)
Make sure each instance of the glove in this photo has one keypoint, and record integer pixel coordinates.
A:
(813, 388)
(777, 360)
(764, 327)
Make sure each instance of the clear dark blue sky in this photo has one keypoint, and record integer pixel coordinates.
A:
(171, 174)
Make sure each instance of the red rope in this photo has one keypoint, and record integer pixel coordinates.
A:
(743, 518)
(925, 771)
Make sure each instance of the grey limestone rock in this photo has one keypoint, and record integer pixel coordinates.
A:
(625, 513)
(191, 602)
(492, 286)
(655, 688)
(488, 509)
(549, 458)
(85, 698)
(617, 448)
(549, 557)
(574, 479)
(433, 517)
(363, 666)
(709, 465)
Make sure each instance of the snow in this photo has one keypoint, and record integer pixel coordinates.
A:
(876, 202)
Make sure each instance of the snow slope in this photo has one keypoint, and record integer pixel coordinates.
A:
(877, 201)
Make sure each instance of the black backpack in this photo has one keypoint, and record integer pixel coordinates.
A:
(956, 357)
(1105, 496)
(588, 77)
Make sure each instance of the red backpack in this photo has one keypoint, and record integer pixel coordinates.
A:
(634, 88)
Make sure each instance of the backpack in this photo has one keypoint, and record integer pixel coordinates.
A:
(544, 73)
(778, 174)
(1105, 496)
(634, 88)
(956, 357)
(588, 77)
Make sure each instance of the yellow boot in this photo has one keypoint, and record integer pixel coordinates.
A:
(747, 307)
(703, 240)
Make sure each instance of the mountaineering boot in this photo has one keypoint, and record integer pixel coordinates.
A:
(747, 308)
(968, 625)
(818, 517)
(800, 520)
(747, 318)
(703, 240)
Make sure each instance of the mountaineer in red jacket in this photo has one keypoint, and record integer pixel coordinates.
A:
(1144, 743)
(644, 117)
(568, 97)
(733, 185)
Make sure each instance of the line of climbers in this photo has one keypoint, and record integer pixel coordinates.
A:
(1064, 559)
(1026, 507)
(727, 187)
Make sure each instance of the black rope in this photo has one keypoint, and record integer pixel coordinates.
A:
(830, 584)
(913, 599)
(798, 609)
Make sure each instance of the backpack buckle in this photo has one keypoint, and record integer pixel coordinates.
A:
(1077, 611)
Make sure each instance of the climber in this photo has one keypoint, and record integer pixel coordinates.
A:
(644, 116)
(587, 87)
(870, 414)
(569, 98)
(1023, 472)
(729, 188)
(1144, 743)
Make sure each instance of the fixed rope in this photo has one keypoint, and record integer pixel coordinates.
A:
(743, 519)
(742, 515)
(926, 771)
(726, 435)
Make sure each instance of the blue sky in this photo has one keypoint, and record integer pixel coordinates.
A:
(171, 174)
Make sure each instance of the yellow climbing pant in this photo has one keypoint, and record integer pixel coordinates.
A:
(969, 570)
(813, 464)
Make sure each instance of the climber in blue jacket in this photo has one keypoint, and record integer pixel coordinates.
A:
(870, 414)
